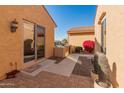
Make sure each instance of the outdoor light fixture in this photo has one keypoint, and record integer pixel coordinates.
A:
(14, 25)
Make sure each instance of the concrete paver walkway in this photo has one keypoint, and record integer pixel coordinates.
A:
(65, 67)
(50, 75)
(47, 80)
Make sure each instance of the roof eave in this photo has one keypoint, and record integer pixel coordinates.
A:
(49, 15)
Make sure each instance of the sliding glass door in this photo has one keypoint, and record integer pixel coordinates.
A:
(40, 41)
(29, 41)
(34, 41)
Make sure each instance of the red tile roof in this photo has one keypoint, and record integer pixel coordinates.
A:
(81, 29)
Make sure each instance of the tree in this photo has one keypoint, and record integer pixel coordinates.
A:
(64, 41)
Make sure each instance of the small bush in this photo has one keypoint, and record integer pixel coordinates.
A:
(78, 49)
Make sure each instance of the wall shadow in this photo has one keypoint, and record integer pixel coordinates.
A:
(83, 67)
(114, 76)
(97, 46)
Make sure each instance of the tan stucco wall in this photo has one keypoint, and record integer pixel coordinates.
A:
(61, 51)
(11, 44)
(114, 37)
(78, 39)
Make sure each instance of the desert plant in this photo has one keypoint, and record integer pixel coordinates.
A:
(102, 68)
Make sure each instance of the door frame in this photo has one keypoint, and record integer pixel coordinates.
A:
(103, 36)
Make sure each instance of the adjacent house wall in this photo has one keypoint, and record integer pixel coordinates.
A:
(114, 39)
(11, 44)
(76, 39)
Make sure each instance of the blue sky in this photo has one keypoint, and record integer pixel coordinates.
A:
(68, 16)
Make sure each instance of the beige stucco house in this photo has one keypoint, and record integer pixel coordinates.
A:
(32, 39)
(77, 35)
(109, 36)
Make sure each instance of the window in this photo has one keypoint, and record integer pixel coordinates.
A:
(103, 36)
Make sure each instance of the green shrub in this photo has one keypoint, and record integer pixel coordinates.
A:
(78, 49)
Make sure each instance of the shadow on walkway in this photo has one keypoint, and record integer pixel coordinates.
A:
(83, 67)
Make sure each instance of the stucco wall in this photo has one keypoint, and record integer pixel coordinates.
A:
(11, 44)
(61, 51)
(78, 39)
(114, 38)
